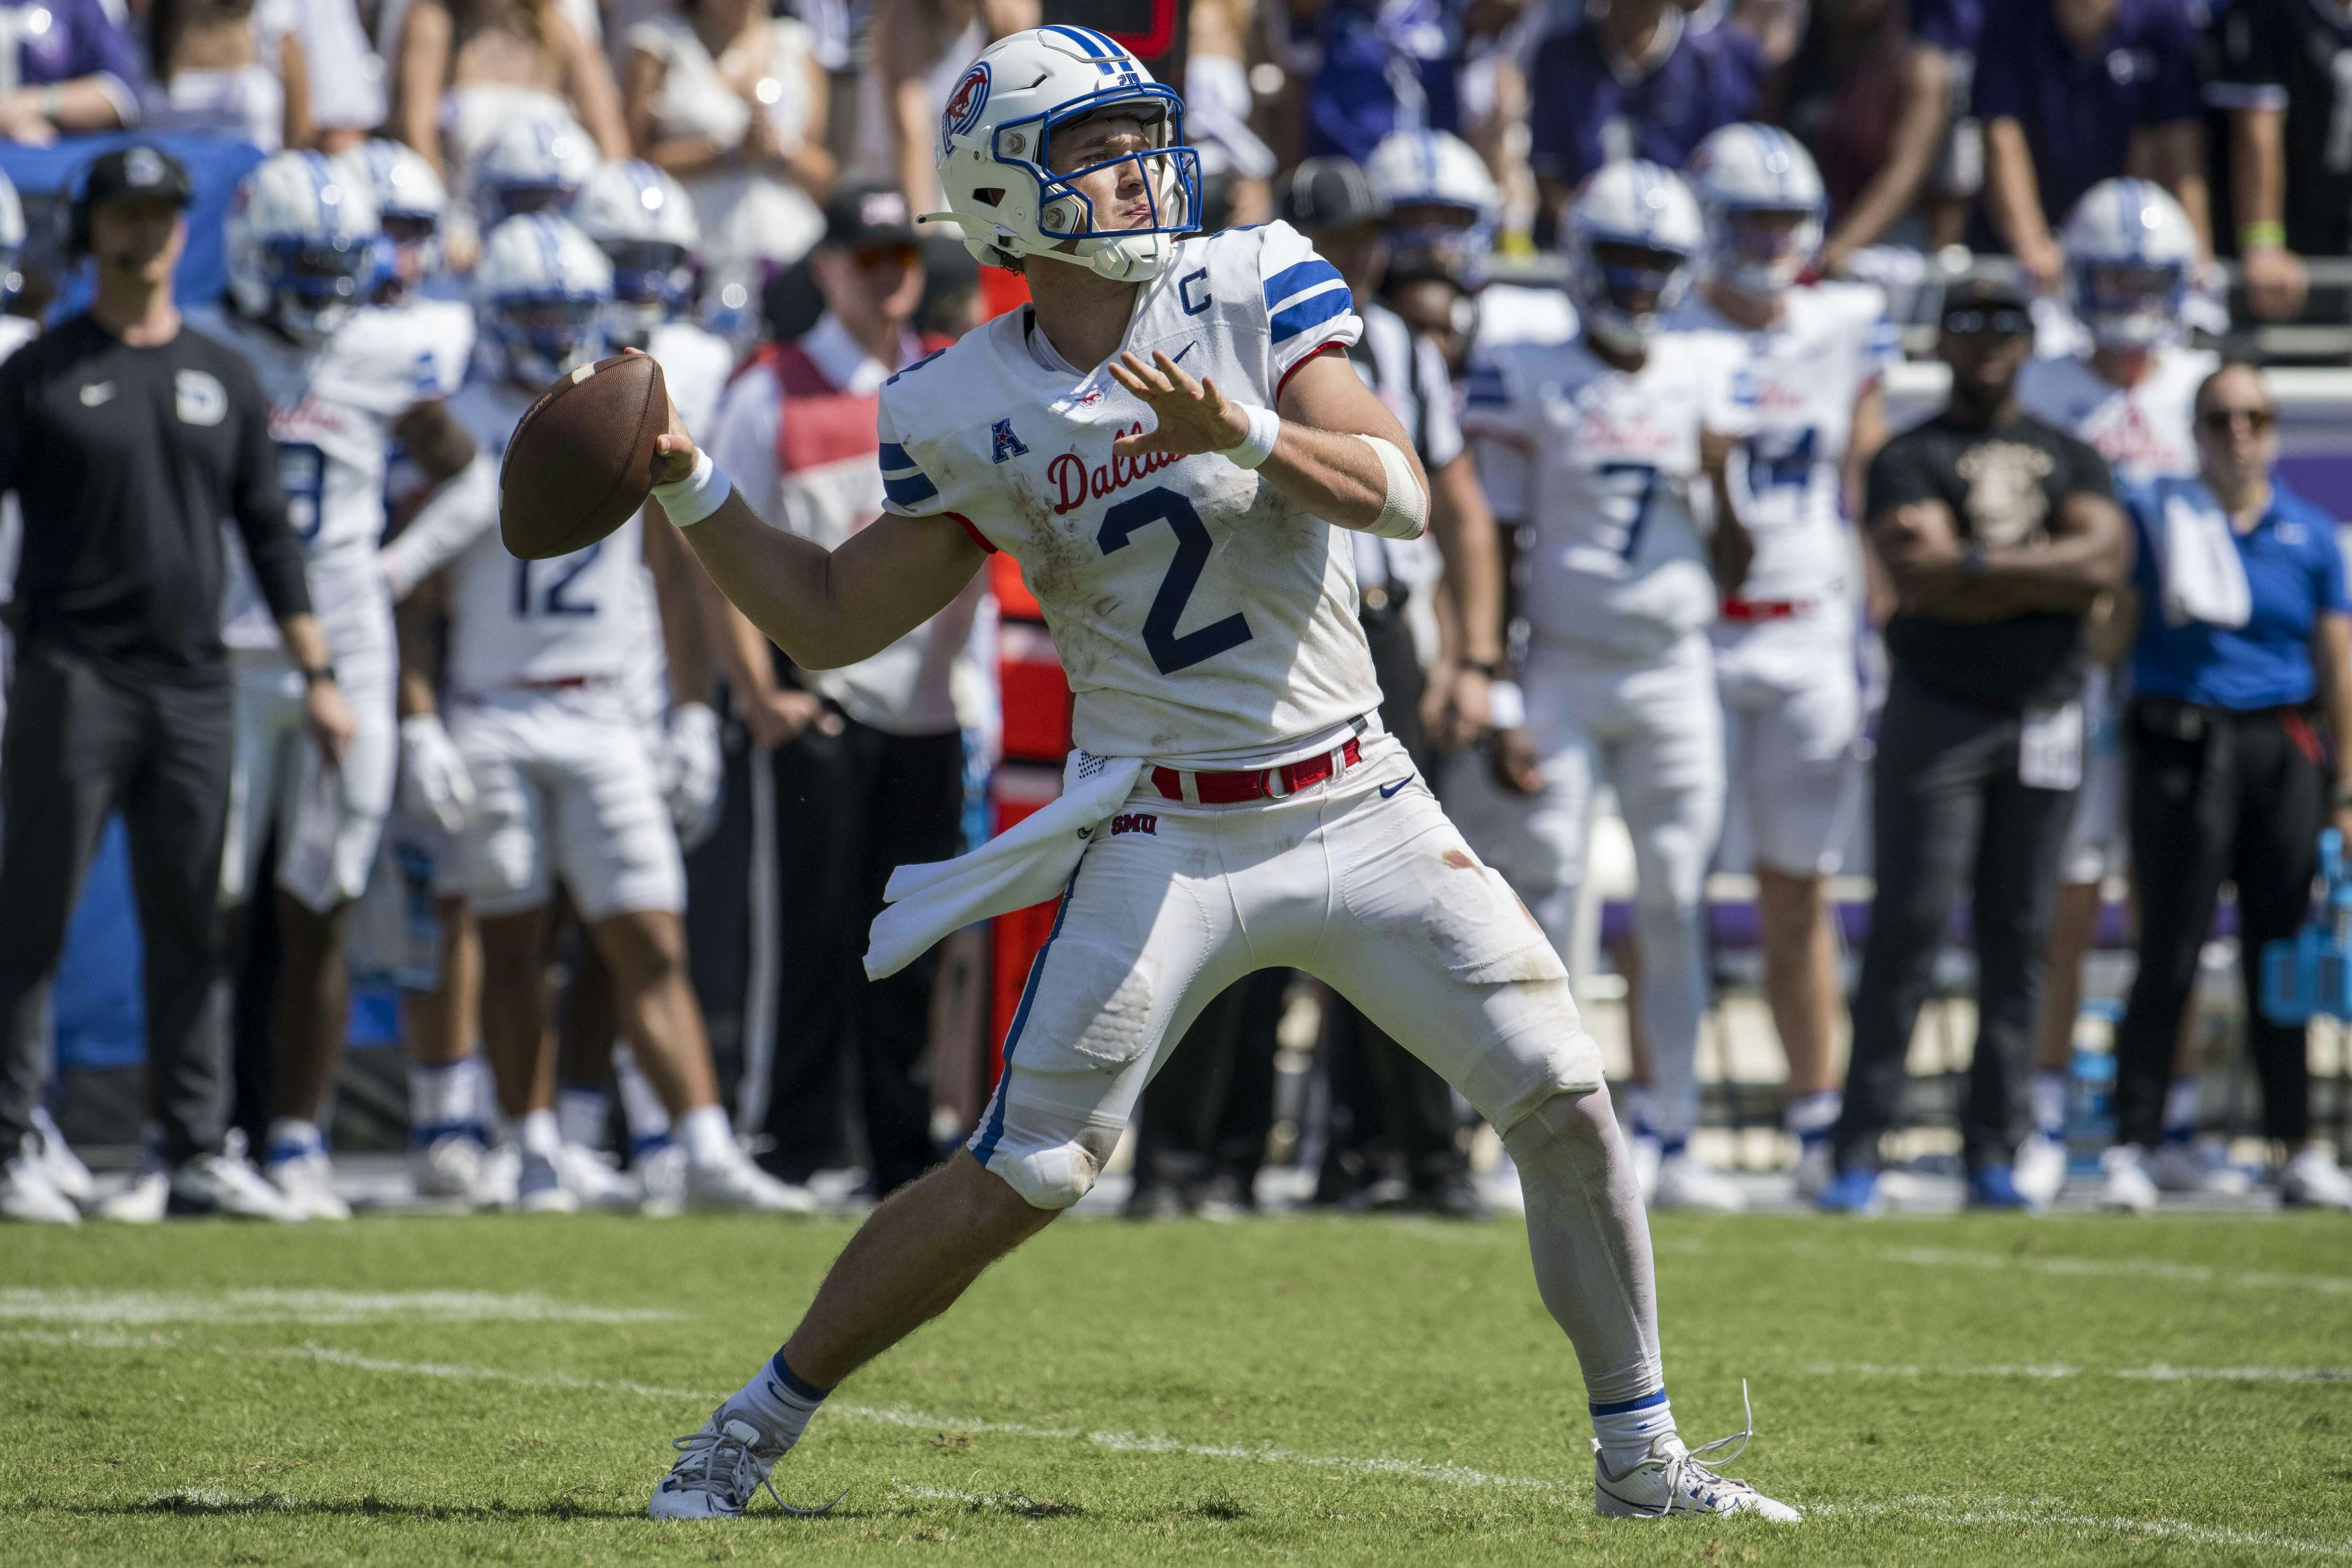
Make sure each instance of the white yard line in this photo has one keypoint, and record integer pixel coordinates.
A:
(2159, 1373)
(266, 1306)
(2010, 1512)
(2118, 1267)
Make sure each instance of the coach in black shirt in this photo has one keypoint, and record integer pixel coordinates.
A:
(2000, 535)
(128, 438)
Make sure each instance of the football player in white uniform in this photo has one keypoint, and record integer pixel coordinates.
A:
(1620, 429)
(301, 244)
(1784, 648)
(555, 751)
(1230, 806)
(2130, 257)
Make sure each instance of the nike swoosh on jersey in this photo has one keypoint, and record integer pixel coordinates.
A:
(1388, 790)
(1188, 348)
(96, 393)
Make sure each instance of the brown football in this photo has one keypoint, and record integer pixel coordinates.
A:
(581, 463)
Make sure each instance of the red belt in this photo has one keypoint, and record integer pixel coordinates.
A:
(1768, 609)
(1262, 784)
(564, 683)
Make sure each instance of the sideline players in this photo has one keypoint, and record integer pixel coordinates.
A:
(1784, 651)
(1620, 427)
(2130, 256)
(564, 779)
(302, 245)
(1174, 527)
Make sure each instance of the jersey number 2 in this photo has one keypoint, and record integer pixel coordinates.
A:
(1170, 651)
(551, 600)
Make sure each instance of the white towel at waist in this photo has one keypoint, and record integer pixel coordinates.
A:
(2204, 575)
(1026, 864)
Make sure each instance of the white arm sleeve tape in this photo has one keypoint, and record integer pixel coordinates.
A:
(1405, 513)
(689, 501)
(1254, 448)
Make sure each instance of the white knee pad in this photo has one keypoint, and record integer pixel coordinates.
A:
(1053, 1175)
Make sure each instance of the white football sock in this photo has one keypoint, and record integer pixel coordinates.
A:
(2049, 1095)
(442, 1099)
(781, 1402)
(290, 1137)
(582, 1111)
(1810, 1117)
(2181, 1110)
(641, 1108)
(540, 1133)
(1626, 1430)
(706, 1136)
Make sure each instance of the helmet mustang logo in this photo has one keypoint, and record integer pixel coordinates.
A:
(965, 103)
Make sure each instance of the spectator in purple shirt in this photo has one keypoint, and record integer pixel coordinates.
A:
(2072, 92)
(1632, 80)
(68, 68)
(1388, 65)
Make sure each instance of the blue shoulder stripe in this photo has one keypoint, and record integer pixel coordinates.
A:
(1307, 274)
(912, 490)
(1310, 312)
(895, 458)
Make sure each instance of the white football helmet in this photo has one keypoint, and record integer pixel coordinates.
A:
(1631, 208)
(1428, 169)
(301, 244)
(409, 203)
(996, 157)
(2130, 256)
(644, 222)
(531, 165)
(12, 240)
(1744, 173)
(540, 292)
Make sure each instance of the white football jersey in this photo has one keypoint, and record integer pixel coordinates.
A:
(2145, 432)
(331, 410)
(1197, 612)
(1797, 380)
(695, 367)
(586, 615)
(1612, 465)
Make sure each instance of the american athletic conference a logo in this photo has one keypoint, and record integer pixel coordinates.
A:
(964, 105)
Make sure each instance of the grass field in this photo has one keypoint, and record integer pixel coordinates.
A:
(1322, 1390)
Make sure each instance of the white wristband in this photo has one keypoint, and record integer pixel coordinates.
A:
(1507, 705)
(1265, 427)
(689, 501)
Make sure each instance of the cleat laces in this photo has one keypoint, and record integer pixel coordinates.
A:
(723, 1463)
(1689, 1466)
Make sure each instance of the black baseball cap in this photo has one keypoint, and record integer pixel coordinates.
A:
(868, 212)
(1973, 304)
(136, 172)
(1329, 193)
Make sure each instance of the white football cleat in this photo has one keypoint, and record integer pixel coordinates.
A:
(306, 1180)
(2126, 1185)
(59, 1162)
(596, 1184)
(224, 1184)
(2179, 1167)
(2313, 1180)
(539, 1189)
(454, 1166)
(1816, 1169)
(142, 1199)
(720, 1469)
(28, 1193)
(736, 1183)
(661, 1171)
(1672, 1480)
(2039, 1170)
(1646, 1158)
(1683, 1184)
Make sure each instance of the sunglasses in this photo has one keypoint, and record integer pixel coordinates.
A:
(2000, 323)
(2222, 421)
(869, 257)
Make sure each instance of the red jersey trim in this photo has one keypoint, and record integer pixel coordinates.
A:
(1330, 346)
(966, 524)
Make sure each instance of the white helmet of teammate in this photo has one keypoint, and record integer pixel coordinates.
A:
(12, 240)
(995, 154)
(1632, 238)
(1764, 203)
(1443, 202)
(532, 164)
(301, 244)
(409, 203)
(644, 222)
(2129, 254)
(540, 292)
